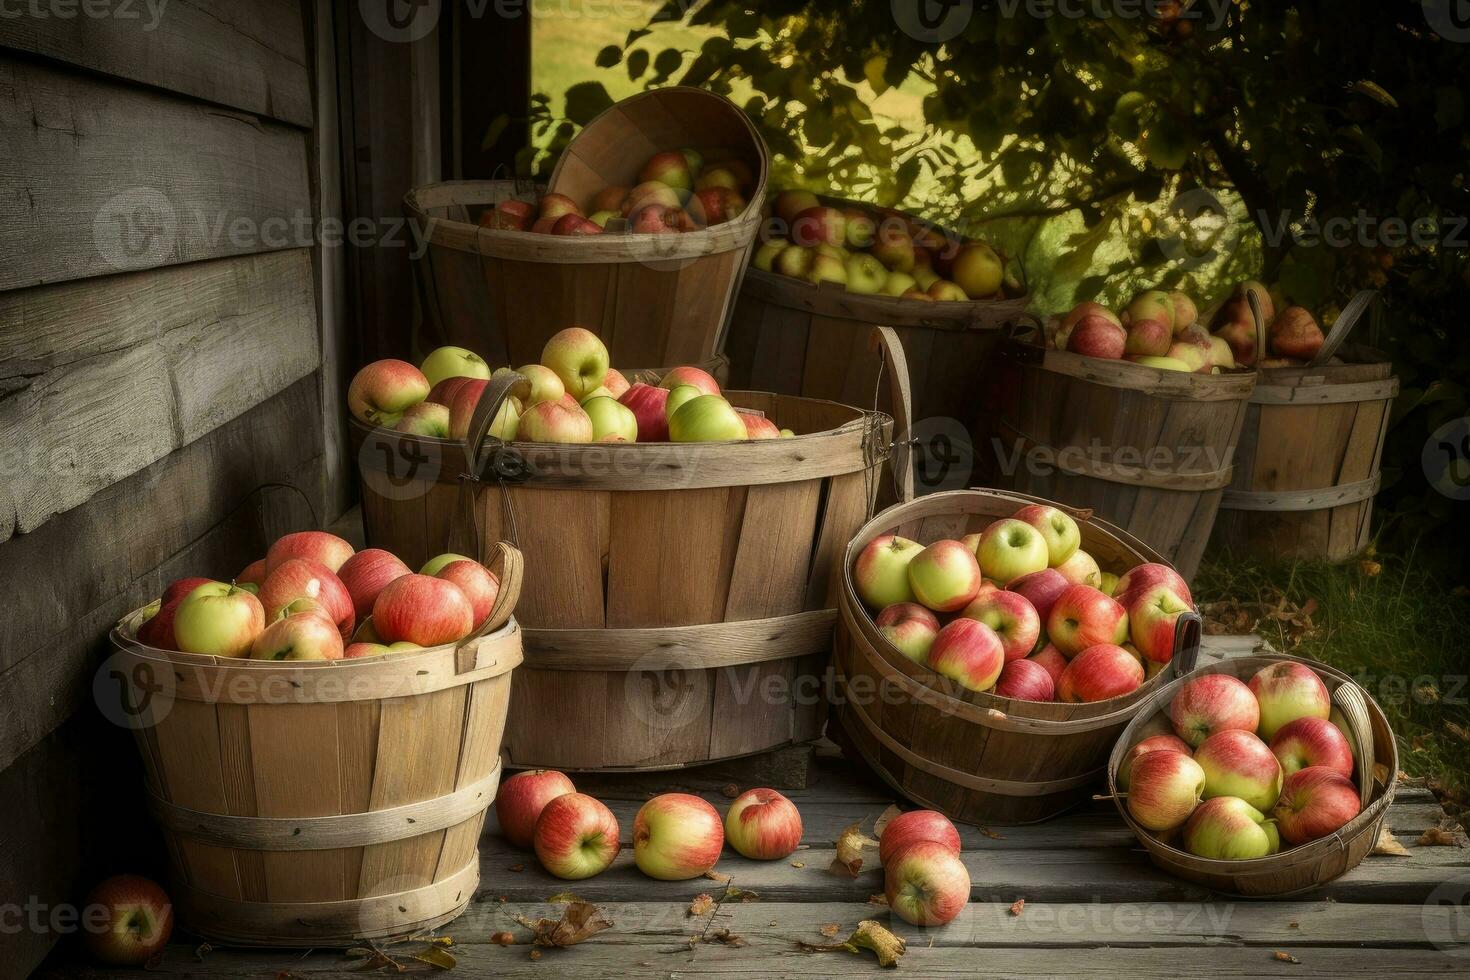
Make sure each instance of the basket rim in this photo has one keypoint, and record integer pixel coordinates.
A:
(1271, 862)
(956, 315)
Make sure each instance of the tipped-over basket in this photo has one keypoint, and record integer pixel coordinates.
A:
(652, 298)
(680, 596)
(323, 803)
(975, 756)
(1296, 869)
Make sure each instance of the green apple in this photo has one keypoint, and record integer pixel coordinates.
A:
(947, 292)
(881, 571)
(218, 619)
(425, 419)
(925, 276)
(1009, 549)
(579, 358)
(795, 261)
(507, 420)
(1162, 363)
(678, 395)
(1228, 828)
(865, 274)
(541, 384)
(765, 256)
(897, 283)
(435, 564)
(453, 362)
(601, 218)
(827, 268)
(610, 418)
(977, 270)
(708, 418)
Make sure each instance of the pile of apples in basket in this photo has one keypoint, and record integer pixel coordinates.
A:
(1030, 614)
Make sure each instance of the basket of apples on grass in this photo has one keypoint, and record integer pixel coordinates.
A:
(321, 737)
(1136, 416)
(1257, 776)
(641, 235)
(681, 542)
(829, 270)
(991, 647)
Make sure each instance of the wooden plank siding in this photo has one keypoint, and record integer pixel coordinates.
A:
(162, 391)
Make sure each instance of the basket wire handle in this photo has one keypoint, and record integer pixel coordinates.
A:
(511, 564)
(885, 342)
(1343, 325)
(1260, 322)
(1348, 698)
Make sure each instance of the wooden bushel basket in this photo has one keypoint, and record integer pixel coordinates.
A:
(797, 338)
(323, 803)
(1307, 469)
(653, 299)
(1148, 449)
(1296, 869)
(679, 596)
(975, 756)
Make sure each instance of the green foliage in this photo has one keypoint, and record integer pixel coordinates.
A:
(1111, 153)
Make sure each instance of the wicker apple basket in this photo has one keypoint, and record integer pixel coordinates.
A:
(1148, 449)
(323, 803)
(680, 596)
(1297, 869)
(975, 756)
(653, 299)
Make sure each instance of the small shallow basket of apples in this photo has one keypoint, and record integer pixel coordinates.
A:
(992, 646)
(1257, 776)
(642, 235)
(321, 737)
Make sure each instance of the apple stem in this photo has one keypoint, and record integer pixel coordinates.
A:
(1109, 796)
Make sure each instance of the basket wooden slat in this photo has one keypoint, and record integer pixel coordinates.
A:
(671, 587)
(975, 756)
(1150, 450)
(323, 803)
(1307, 469)
(1296, 869)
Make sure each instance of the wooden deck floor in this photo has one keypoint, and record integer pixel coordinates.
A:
(1094, 906)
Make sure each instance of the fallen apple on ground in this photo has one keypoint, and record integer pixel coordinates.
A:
(677, 836)
(576, 836)
(521, 798)
(763, 825)
(926, 883)
(127, 920)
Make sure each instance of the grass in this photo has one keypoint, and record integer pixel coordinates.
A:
(1398, 628)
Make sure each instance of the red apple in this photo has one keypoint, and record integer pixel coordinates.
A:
(522, 797)
(926, 883)
(1052, 659)
(127, 920)
(1081, 569)
(303, 578)
(647, 404)
(575, 224)
(477, 582)
(554, 422)
(1315, 802)
(881, 571)
(697, 377)
(788, 204)
(1154, 743)
(669, 167)
(304, 636)
(1294, 333)
(252, 574)
(1164, 788)
(424, 610)
(1083, 617)
(910, 628)
(1153, 620)
(1098, 673)
(820, 225)
(508, 215)
(1287, 691)
(365, 574)
(677, 836)
(179, 588)
(1312, 742)
(757, 426)
(319, 546)
(944, 576)
(615, 383)
(1026, 680)
(384, 390)
(1041, 589)
(1139, 579)
(555, 205)
(1236, 763)
(916, 825)
(763, 825)
(610, 198)
(968, 653)
(158, 629)
(576, 836)
(1097, 336)
(1212, 703)
(1012, 617)
(1228, 828)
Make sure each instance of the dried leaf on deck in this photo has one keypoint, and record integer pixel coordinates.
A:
(868, 935)
(878, 899)
(503, 938)
(733, 894)
(517, 868)
(440, 959)
(701, 905)
(730, 791)
(1437, 837)
(798, 864)
(1017, 906)
(535, 954)
(850, 844)
(719, 876)
(726, 937)
(1388, 845)
(1284, 957)
(563, 898)
(579, 923)
(828, 929)
(884, 819)
(992, 834)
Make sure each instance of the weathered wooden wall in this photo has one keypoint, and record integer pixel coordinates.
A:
(162, 395)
